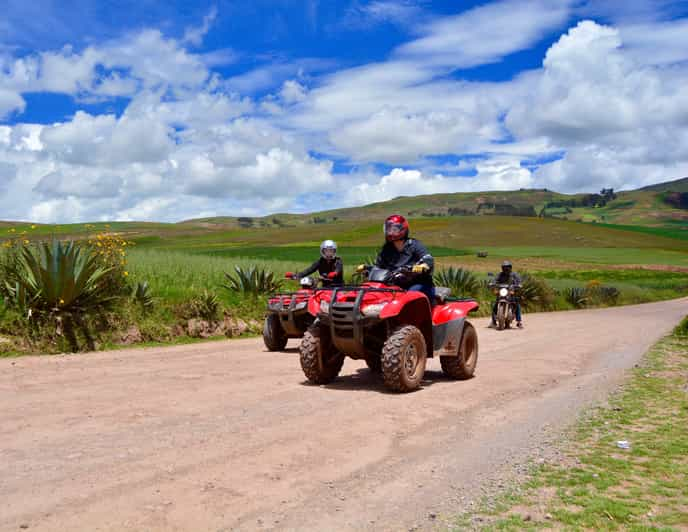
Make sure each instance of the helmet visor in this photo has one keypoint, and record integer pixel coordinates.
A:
(329, 252)
(394, 229)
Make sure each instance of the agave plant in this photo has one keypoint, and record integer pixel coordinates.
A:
(207, 306)
(141, 296)
(535, 293)
(252, 281)
(463, 282)
(60, 282)
(576, 296)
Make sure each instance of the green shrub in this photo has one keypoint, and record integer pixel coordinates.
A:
(60, 285)
(206, 306)
(682, 328)
(252, 281)
(535, 293)
(463, 282)
(141, 296)
(576, 296)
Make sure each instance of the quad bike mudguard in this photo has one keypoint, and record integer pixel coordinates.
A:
(448, 321)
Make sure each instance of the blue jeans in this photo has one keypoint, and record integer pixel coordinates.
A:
(518, 312)
(427, 289)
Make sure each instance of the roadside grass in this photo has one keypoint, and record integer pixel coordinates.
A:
(600, 486)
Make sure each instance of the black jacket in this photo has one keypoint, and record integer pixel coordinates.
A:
(323, 267)
(508, 278)
(412, 253)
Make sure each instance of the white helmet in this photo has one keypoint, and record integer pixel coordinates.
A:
(328, 249)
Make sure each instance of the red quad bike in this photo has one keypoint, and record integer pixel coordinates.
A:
(392, 329)
(287, 314)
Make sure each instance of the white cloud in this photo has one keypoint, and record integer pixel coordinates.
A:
(487, 33)
(398, 12)
(194, 35)
(609, 102)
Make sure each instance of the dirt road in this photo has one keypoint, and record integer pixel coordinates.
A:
(225, 436)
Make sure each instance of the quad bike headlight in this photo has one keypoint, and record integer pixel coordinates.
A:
(373, 310)
(324, 307)
(503, 292)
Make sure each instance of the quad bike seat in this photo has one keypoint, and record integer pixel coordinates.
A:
(441, 294)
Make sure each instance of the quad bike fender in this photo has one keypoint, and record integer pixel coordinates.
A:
(447, 337)
(412, 308)
(399, 303)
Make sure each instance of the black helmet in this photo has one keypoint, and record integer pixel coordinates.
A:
(506, 266)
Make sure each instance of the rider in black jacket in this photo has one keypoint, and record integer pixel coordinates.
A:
(329, 265)
(510, 277)
(400, 251)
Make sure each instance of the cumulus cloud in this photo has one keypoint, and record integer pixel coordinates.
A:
(621, 119)
(607, 107)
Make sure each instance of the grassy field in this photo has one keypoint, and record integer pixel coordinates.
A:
(182, 262)
(599, 486)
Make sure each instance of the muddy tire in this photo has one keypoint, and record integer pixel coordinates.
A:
(403, 359)
(320, 361)
(374, 364)
(501, 316)
(463, 366)
(274, 336)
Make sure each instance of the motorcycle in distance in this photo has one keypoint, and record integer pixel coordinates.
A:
(287, 313)
(392, 329)
(507, 299)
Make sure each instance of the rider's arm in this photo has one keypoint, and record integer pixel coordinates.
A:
(311, 269)
(516, 279)
(421, 255)
(339, 267)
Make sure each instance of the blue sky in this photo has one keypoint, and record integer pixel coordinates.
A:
(166, 111)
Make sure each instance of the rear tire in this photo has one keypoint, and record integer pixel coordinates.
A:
(403, 359)
(501, 316)
(320, 361)
(374, 363)
(462, 367)
(273, 334)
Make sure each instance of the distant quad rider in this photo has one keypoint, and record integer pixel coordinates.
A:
(329, 265)
(401, 251)
(510, 277)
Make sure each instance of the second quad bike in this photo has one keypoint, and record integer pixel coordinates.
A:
(287, 314)
(392, 329)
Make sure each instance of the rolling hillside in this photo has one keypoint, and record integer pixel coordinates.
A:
(663, 206)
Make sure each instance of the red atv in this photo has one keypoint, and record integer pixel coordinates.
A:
(392, 329)
(287, 314)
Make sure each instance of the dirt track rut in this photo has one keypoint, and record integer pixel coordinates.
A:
(225, 436)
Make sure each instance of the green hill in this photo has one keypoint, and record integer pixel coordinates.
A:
(662, 207)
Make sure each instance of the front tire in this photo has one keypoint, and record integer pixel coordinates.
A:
(403, 359)
(320, 361)
(501, 316)
(462, 367)
(274, 336)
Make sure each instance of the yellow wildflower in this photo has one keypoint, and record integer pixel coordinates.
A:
(33, 227)
(26, 241)
(126, 274)
(61, 301)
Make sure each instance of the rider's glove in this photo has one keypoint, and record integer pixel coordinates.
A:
(420, 268)
(332, 275)
(360, 268)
